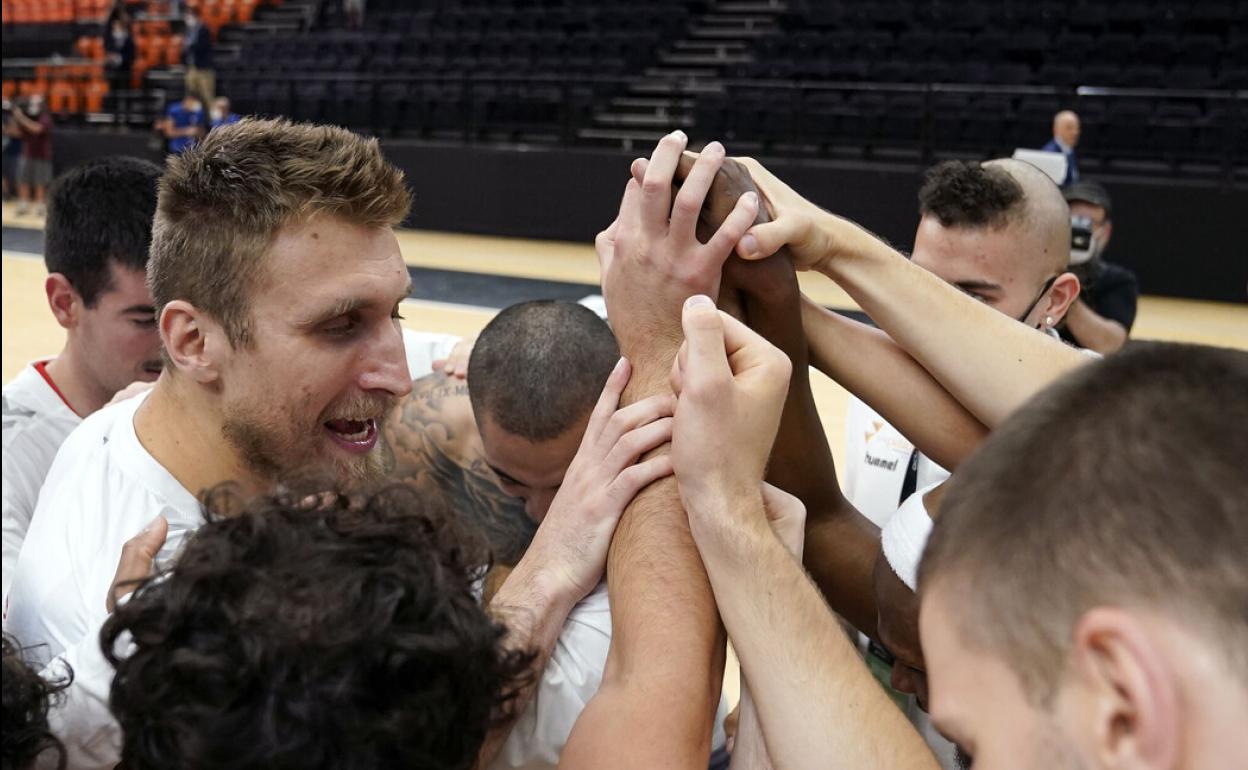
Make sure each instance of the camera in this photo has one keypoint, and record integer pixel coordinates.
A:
(1081, 244)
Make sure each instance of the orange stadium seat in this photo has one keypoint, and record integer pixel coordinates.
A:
(62, 97)
(93, 95)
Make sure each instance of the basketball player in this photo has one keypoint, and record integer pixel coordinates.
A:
(96, 238)
(1091, 614)
(277, 278)
(497, 451)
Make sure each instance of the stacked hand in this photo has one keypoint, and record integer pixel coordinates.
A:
(600, 483)
(652, 262)
(731, 385)
(814, 237)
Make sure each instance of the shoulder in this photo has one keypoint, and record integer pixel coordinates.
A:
(438, 406)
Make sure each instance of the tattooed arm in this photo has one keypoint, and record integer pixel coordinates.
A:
(431, 441)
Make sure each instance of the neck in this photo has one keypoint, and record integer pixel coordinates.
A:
(83, 393)
(185, 437)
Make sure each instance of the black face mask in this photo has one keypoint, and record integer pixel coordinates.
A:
(1045, 290)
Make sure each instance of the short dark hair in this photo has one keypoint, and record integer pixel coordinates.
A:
(100, 212)
(314, 630)
(538, 367)
(962, 193)
(1143, 506)
(27, 698)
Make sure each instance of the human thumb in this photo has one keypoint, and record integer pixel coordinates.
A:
(704, 340)
(137, 556)
(763, 240)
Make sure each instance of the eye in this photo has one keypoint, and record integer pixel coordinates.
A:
(340, 327)
(144, 323)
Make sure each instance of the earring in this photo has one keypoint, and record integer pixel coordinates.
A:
(1048, 321)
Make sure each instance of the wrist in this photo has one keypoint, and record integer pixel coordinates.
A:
(539, 588)
(724, 520)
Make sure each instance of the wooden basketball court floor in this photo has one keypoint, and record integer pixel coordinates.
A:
(462, 280)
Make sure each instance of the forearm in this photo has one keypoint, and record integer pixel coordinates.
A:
(534, 613)
(815, 698)
(873, 367)
(953, 336)
(750, 749)
(664, 671)
(1093, 331)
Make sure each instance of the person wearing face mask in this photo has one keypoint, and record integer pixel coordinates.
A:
(34, 168)
(1101, 317)
(119, 53)
(221, 115)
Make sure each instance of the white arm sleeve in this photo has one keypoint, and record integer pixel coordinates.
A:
(82, 720)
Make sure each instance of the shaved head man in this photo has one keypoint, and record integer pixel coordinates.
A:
(999, 231)
(1066, 128)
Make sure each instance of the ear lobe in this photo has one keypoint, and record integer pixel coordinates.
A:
(1064, 291)
(63, 299)
(1133, 719)
(185, 333)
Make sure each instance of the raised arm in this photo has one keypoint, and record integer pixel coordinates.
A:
(869, 364)
(569, 552)
(954, 337)
(841, 543)
(814, 697)
(656, 705)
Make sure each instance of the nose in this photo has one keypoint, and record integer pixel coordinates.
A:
(385, 363)
(538, 503)
(902, 679)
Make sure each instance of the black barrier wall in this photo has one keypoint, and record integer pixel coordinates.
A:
(1182, 240)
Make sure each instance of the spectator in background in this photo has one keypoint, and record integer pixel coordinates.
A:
(12, 149)
(1065, 139)
(119, 53)
(1101, 317)
(221, 114)
(34, 168)
(354, 11)
(201, 76)
(183, 123)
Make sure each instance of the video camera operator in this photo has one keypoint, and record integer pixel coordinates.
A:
(1101, 317)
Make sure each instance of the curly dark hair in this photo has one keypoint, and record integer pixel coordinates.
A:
(963, 193)
(309, 631)
(27, 698)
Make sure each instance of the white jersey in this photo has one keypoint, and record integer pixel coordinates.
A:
(571, 678)
(36, 422)
(102, 489)
(423, 348)
(877, 457)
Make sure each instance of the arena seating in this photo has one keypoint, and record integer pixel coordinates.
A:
(1161, 86)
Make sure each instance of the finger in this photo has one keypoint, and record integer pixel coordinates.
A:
(676, 377)
(776, 501)
(693, 192)
(608, 400)
(748, 350)
(706, 362)
(657, 187)
(442, 363)
(734, 227)
(136, 560)
(761, 241)
(461, 368)
(638, 169)
(635, 415)
(637, 442)
(637, 477)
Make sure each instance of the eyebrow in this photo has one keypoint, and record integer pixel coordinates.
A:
(349, 305)
(977, 285)
(505, 476)
(144, 309)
